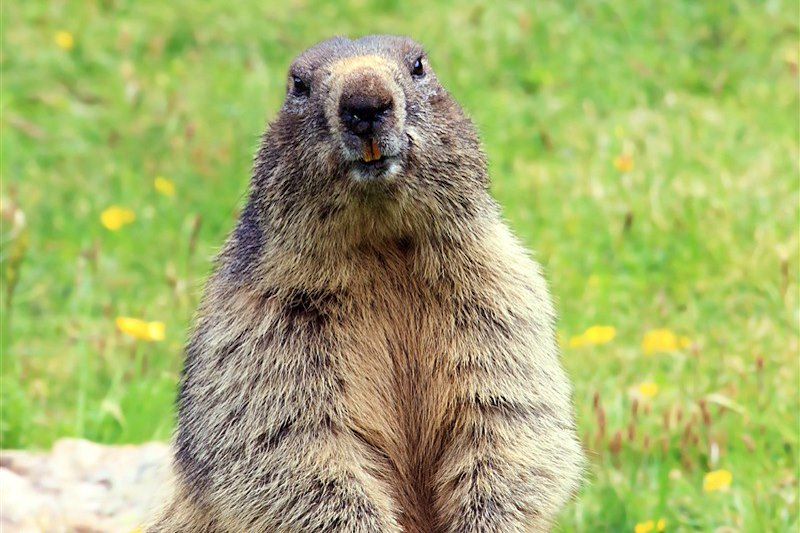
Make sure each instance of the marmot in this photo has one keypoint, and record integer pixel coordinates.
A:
(375, 350)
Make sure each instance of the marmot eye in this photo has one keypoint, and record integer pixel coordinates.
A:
(299, 87)
(418, 70)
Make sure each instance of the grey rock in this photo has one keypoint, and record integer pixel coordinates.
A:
(80, 486)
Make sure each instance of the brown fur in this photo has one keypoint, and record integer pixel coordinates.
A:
(372, 354)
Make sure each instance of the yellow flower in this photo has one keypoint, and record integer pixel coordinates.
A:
(623, 163)
(648, 389)
(64, 40)
(141, 329)
(647, 527)
(115, 217)
(717, 480)
(663, 340)
(164, 186)
(594, 335)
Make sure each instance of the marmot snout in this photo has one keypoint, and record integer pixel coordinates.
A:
(367, 106)
(375, 350)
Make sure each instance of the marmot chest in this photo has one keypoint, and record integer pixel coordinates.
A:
(396, 393)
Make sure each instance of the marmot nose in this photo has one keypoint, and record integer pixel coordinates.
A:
(363, 114)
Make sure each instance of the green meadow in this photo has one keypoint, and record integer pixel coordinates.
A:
(647, 152)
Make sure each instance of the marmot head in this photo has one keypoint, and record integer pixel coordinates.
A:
(367, 144)
(361, 94)
(365, 107)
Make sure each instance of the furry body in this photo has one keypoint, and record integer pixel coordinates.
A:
(372, 355)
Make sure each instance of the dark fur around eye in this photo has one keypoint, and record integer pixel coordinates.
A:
(418, 69)
(300, 87)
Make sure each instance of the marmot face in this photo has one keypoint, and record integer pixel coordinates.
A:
(366, 123)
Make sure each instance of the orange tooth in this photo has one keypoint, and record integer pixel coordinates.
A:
(372, 152)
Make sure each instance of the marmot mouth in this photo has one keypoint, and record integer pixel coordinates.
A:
(380, 168)
(378, 163)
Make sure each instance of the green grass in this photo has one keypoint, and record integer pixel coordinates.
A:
(700, 237)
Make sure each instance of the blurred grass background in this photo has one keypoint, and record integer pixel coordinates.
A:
(647, 151)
